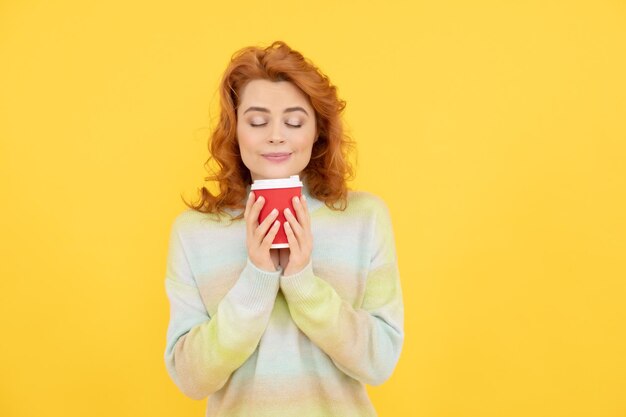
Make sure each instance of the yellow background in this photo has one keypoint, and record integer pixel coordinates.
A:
(495, 131)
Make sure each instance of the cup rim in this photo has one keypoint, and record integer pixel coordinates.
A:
(291, 182)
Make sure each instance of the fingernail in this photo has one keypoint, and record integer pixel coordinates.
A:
(288, 211)
(274, 212)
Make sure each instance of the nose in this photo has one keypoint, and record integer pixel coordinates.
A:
(276, 135)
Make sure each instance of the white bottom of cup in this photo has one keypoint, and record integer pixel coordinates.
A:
(279, 245)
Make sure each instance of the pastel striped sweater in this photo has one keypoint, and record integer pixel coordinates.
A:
(258, 343)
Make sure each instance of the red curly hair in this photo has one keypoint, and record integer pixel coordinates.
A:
(329, 168)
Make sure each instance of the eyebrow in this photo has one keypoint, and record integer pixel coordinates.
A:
(287, 110)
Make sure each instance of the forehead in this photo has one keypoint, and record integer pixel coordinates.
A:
(277, 94)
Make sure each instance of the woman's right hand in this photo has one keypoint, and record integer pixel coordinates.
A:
(259, 237)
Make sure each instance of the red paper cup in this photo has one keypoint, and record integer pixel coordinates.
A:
(278, 194)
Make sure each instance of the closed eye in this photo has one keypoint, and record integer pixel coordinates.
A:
(263, 124)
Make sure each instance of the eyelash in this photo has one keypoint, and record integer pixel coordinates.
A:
(263, 124)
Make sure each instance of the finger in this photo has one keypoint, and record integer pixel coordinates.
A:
(269, 238)
(291, 238)
(249, 203)
(262, 229)
(305, 204)
(296, 230)
(301, 212)
(246, 214)
(275, 255)
(293, 222)
(255, 210)
(306, 224)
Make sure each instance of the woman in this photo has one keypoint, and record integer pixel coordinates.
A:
(282, 332)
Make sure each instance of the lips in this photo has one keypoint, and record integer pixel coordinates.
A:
(277, 156)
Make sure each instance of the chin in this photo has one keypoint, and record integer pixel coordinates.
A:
(276, 174)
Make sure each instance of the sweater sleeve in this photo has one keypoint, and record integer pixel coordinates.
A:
(202, 350)
(365, 343)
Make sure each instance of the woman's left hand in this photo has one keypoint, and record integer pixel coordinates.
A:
(299, 236)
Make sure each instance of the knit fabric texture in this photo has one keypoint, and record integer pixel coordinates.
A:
(258, 343)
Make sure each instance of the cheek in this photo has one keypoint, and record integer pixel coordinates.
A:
(245, 140)
(306, 139)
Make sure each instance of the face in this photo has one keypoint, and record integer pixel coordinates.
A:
(275, 129)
